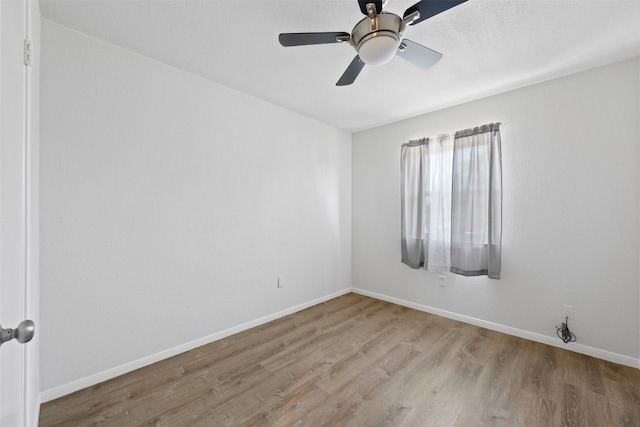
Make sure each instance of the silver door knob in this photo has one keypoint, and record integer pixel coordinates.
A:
(23, 333)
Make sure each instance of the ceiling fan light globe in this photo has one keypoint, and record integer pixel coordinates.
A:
(378, 49)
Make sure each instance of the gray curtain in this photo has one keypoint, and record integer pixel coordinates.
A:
(413, 203)
(476, 202)
(426, 203)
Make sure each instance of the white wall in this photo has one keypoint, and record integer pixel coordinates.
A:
(570, 213)
(169, 206)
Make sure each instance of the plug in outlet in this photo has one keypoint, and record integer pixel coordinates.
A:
(280, 282)
(568, 311)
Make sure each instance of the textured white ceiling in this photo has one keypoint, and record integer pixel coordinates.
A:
(489, 46)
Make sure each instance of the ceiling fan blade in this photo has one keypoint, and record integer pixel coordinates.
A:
(417, 54)
(429, 8)
(301, 39)
(363, 5)
(352, 71)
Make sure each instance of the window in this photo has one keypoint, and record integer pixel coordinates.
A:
(452, 202)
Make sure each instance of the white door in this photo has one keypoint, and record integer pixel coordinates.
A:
(19, 402)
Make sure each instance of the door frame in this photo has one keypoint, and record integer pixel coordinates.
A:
(32, 208)
(21, 142)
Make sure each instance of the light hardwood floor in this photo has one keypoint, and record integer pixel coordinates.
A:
(358, 361)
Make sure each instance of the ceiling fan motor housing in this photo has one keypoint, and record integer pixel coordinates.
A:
(377, 39)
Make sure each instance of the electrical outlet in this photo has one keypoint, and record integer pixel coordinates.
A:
(280, 281)
(568, 311)
(442, 283)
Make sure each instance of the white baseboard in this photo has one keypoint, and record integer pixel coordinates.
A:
(65, 389)
(544, 339)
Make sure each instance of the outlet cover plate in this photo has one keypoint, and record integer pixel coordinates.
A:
(568, 311)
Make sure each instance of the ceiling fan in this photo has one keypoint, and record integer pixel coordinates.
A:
(379, 37)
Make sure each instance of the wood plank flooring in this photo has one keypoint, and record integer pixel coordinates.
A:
(358, 361)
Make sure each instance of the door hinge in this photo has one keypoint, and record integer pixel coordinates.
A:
(28, 52)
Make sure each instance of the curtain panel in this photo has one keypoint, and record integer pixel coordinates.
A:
(476, 202)
(413, 216)
(426, 203)
(451, 202)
